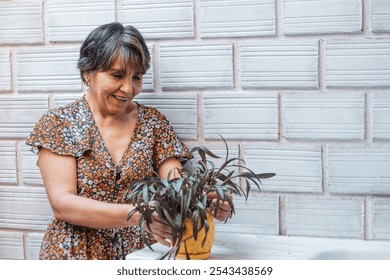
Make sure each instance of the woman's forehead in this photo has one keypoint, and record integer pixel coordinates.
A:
(122, 64)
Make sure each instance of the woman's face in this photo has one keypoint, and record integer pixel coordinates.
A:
(113, 91)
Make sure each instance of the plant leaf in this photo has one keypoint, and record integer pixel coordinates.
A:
(194, 222)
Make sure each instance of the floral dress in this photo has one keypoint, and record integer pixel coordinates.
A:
(71, 131)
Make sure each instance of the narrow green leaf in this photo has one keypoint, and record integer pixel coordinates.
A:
(194, 222)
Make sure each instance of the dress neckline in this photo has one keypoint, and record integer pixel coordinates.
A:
(109, 162)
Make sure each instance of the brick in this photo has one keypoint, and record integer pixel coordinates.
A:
(298, 169)
(11, 245)
(8, 163)
(258, 215)
(381, 218)
(24, 208)
(334, 217)
(319, 17)
(180, 110)
(30, 170)
(236, 18)
(48, 69)
(196, 66)
(380, 15)
(73, 20)
(279, 64)
(18, 115)
(354, 64)
(34, 240)
(241, 116)
(381, 116)
(21, 22)
(160, 18)
(359, 171)
(5, 70)
(324, 116)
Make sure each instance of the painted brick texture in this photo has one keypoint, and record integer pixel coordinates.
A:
(16, 31)
(160, 18)
(73, 20)
(299, 88)
(316, 17)
(5, 70)
(324, 116)
(225, 18)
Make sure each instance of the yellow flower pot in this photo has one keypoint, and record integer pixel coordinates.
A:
(194, 247)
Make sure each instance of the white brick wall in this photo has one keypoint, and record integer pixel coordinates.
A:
(225, 18)
(324, 116)
(159, 18)
(13, 30)
(300, 88)
(316, 17)
(279, 64)
(73, 20)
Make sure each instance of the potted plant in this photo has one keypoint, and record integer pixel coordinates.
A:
(184, 202)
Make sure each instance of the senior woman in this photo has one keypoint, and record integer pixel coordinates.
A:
(91, 150)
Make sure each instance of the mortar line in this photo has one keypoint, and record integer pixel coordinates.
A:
(157, 84)
(236, 66)
(45, 27)
(196, 19)
(200, 123)
(325, 169)
(367, 220)
(368, 120)
(117, 4)
(366, 17)
(321, 65)
(282, 215)
(278, 18)
(281, 122)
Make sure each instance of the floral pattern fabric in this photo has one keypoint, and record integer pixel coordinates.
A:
(71, 130)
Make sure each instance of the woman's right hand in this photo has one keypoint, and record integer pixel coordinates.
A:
(160, 230)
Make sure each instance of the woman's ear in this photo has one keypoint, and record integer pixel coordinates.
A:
(87, 78)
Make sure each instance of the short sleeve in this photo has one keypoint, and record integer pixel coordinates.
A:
(167, 143)
(58, 134)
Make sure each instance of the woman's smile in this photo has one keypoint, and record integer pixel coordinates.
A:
(121, 99)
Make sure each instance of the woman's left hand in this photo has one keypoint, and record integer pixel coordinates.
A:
(224, 210)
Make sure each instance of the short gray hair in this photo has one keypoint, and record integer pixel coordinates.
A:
(110, 41)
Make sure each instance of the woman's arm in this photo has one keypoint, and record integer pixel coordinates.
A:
(60, 180)
(167, 165)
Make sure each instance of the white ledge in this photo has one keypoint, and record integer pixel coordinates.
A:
(242, 246)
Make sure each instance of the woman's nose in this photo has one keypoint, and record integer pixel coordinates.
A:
(127, 86)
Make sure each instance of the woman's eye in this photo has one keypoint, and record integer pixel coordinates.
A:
(117, 76)
(137, 78)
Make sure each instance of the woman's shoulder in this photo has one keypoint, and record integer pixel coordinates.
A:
(150, 112)
(63, 130)
(70, 110)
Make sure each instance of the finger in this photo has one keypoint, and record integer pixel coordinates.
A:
(164, 232)
(156, 218)
(224, 205)
(221, 215)
(161, 240)
(161, 229)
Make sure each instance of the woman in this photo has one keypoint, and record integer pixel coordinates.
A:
(91, 150)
